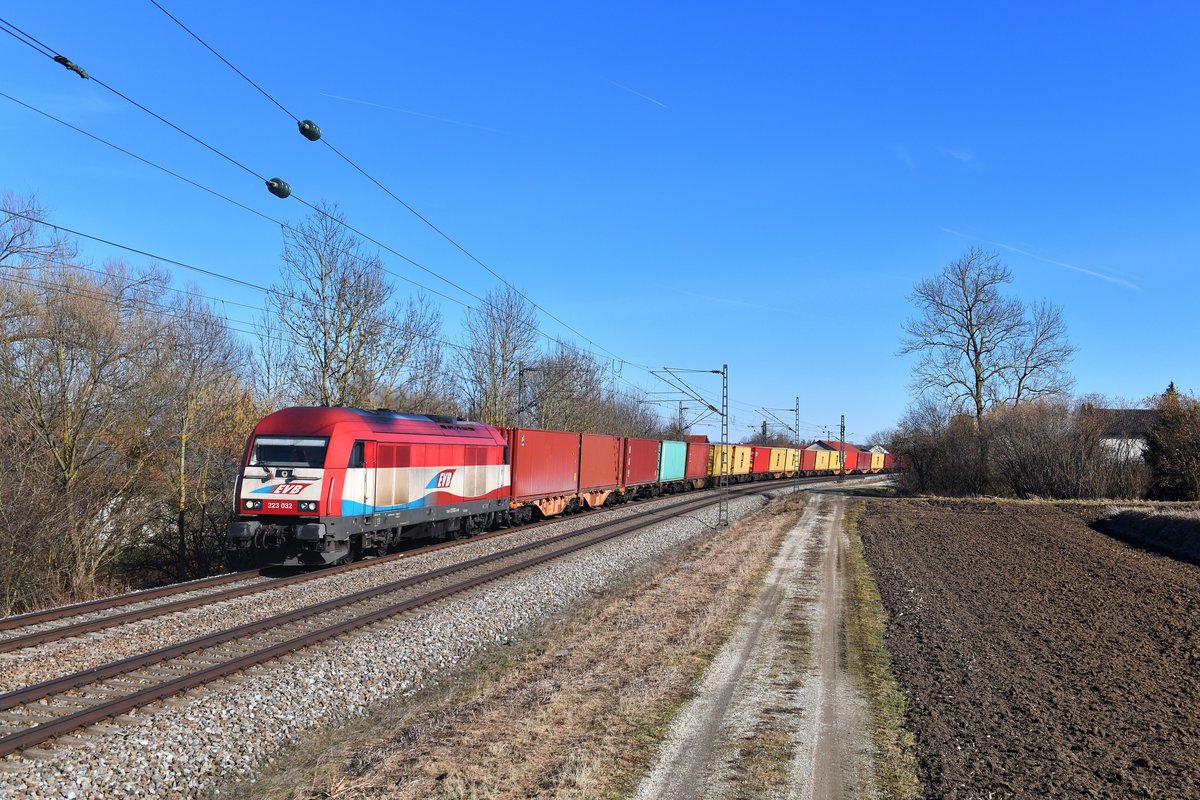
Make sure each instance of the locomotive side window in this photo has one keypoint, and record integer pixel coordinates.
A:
(288, 451)
(357, 459)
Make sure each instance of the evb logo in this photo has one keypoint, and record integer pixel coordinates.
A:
(442, 480)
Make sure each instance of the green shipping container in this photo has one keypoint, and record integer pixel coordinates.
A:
(672, 457)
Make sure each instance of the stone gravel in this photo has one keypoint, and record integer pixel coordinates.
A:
(192, 744)
(117, 610)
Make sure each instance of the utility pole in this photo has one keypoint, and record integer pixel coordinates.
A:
(842, 448)
(522, 406)
(796, 485)
(181, 567)
(723, 505)
(520, 394)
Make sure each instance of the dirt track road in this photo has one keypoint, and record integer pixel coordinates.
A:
(776, 714)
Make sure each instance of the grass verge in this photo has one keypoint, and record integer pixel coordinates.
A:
(870, 664)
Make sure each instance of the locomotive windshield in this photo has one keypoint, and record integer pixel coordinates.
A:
(288, 451)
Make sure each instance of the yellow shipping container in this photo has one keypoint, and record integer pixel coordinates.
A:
(876, 462)
(741, 459)
(828, 461)
(778, 459)
(738, 458)
(793, 459)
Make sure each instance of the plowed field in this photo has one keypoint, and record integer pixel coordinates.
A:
(1039, 657)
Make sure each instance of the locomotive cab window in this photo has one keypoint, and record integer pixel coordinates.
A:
(288, 451)
(357, 456)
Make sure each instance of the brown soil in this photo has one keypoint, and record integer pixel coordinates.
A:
(1039, 658)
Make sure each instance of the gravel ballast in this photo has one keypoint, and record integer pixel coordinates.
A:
(189, 745)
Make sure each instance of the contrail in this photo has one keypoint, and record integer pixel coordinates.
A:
(414, 113)
(639, 94)
(1047, 260)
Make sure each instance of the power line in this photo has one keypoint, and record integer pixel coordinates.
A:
(49, 52)
(25, 39)
(388, 191)
(211, 273)
(286, 227)
(227, 63)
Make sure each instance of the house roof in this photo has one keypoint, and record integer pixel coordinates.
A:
(825, 444)
(1124, 423)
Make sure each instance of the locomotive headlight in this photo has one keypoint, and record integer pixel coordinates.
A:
(253, 505)
(308, 505)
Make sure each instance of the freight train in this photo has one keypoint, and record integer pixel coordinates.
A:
(322, 485)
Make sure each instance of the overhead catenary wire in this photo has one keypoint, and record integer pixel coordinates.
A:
(49, 52)
(283, 225)
(425, 220)
(253, 331)
(289, 228)
(26, 39)
(208, 272)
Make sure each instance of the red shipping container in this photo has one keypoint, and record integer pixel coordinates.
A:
(889, 461)
(760, 459)
(697, 461)
(641, 461)
(864, 461)
(543, 463)
(599, 462)
(850, 460)
(808, 460)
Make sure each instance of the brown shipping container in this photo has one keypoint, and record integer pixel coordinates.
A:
(641, 461)
(599, 462)
(544, 463)
(697, 461)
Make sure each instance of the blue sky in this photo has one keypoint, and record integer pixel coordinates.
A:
(685, 184)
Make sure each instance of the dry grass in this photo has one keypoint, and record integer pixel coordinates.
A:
(578, 713)
(762, 765)
(1170, 530)
(870, 664)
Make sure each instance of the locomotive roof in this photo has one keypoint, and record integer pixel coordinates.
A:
(360, 423)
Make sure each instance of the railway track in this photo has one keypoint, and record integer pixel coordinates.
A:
(65, 614)
(56, 632)
(62, 706)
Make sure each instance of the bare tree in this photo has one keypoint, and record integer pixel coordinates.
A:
(427, 386)
(81, 361)
(347, 344)
(498, 338)
(977, 348)
(273, 387)
(22, 244)
(202, 383)
(567, 390)
(1039, 358)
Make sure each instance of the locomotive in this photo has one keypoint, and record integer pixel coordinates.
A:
(328, 484)
(323, 485)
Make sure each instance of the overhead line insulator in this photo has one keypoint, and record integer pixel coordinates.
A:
(310, 130)
(71, 65)
(279, 188)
